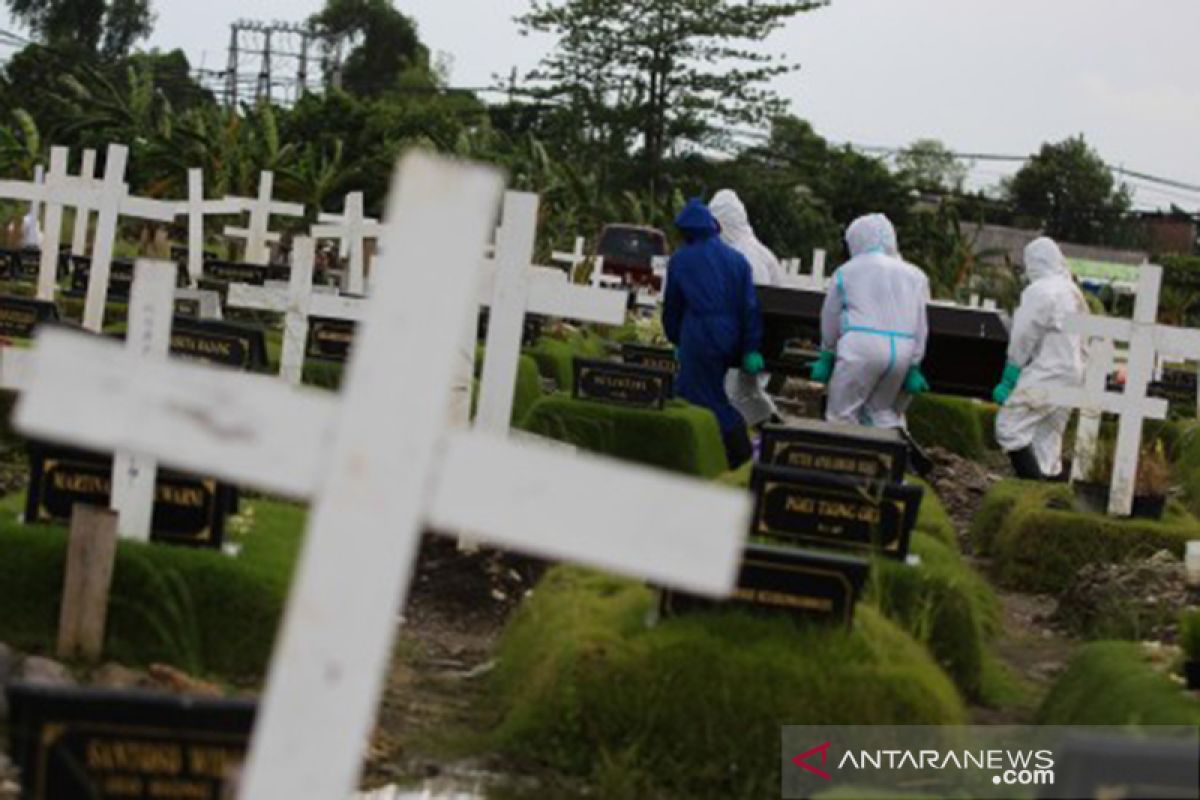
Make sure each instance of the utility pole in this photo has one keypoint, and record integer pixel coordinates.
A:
(231, 73)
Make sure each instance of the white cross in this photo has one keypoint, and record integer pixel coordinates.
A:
(573, 260)
(83, 216)
(257, 233)
(148, 338)
(1100, 356)
(818, 270)
(352, 229)
(1147, 340)
(380, 466)
(517, 290)
(297, 302)
(196, 208)
(35, 205)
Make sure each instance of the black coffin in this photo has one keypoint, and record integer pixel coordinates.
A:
(965, 355)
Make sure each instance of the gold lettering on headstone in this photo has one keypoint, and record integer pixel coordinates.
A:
(80, 482)
(781, 599)
(145, 758)
(17, 317)
(203, 346)
(186, 496)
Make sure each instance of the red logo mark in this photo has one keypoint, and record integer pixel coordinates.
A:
(801, 760)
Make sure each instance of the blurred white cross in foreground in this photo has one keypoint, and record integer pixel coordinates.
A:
(380, 466)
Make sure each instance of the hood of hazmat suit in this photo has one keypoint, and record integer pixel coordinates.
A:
(1046, 355)
(875, 320)
(710, 313)
(737, 232)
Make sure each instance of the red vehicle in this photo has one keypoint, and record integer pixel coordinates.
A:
(629, 251)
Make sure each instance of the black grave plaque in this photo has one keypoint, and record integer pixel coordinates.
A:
(120, 278)
(75, 744)
(621, 384)
(330, 339)
(187, 510)
(662, 358)
(227, 343)
(235, 272)
(20, 316)
(819, 509)
(187, 307)
(809, 586)
(841, 449)
(531, 329)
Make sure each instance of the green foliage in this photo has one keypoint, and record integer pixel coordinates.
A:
(956, 424)
(681, 438)
(388, 49)
(1189, 633)
(1112, 683)
(692, 707)
(555, 355)
(931, 167)
(110, 27)
(201, 610)
(1036, 539)
(1068, 191)
(1187, 466)
(660, 72)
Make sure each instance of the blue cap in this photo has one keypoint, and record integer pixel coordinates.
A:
(696, 220)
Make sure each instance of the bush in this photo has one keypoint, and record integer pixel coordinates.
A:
(1113, 683)
(555, 355)
(682, 438)
(693, 706)
(1036, 540)
(1187, 465)
(199, 609)
(952, 423)
(1189, 634)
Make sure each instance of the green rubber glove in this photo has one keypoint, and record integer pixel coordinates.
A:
(822, 369)
(1008, 382)
(914, 381)
(753, 363)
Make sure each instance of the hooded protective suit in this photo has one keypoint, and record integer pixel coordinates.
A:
(711, 314)
(31, 232)
(747, 392)
(1045, 355)
(875, 319)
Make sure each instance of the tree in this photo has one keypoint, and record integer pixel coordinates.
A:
(1068, 191)
(931, 167)
(388, 47)
(659, 72)
(105, 27)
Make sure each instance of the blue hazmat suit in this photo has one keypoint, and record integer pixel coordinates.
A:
(710, 313)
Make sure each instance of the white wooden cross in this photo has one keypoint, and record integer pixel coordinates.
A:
(818, 270)
(573, 260)
(83, 216)
(1147, 341)
(352, 229)
(196, 208)
(257, 233)
(297, 302)
(35, 205)
(1100, 357)
(147, 339)
(517, 290)
(380, 467)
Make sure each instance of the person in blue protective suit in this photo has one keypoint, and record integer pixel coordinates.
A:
(874, 326)
(711, 315)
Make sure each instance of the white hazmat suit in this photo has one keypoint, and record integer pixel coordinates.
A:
(747, 393)
(875, 319)
(31, 232)
(1046, 356)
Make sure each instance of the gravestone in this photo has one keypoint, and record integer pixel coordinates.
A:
(202, 304)
(73, 743)
(187, 510)
(196, 208)
(20, 316)
(120, 279)
(381, 468)
(621, 384)
(806, 508)
(229, 344)
(352, 229)
(966, 351)
(840, 449)
(808, 586)
(640, 355)
(1179, 387)
(330, 339)
(236, 272)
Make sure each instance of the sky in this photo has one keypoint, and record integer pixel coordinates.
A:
(983, 76)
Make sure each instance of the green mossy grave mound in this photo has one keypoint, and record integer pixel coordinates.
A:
(693, 706)
(1036, 539)
(203, 611)
(962, 426)
(555, 355)
(1115, 683)
(682, 438)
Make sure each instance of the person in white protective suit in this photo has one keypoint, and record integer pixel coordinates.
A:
(31, 232)
(747, 392)
(1041, 354)
(874, 326)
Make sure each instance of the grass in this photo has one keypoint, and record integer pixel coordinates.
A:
(204, 611)
(555, 355)
(1113, 683)
(681, 438)
(962, 426)
(691, 707)
(1036, 539)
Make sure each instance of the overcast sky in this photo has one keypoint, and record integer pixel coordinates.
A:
(995, 76)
